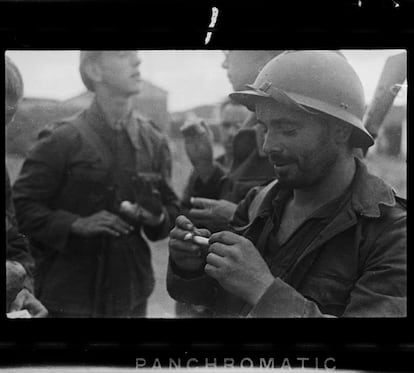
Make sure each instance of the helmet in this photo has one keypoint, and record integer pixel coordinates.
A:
(315, 81)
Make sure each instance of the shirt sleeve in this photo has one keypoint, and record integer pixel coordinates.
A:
(379, 292)
(39, 182)
(190, 287)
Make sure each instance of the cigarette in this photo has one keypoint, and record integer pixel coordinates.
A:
(199, 240)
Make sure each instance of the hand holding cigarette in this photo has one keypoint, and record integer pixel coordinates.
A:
(199, 240)
(188, 245)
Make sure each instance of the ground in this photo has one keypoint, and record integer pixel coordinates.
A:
(393, 170)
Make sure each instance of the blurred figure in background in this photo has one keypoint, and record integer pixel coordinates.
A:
(19, 261)
(233, 116)
(214, 190)
(86, 191)
(232, 119)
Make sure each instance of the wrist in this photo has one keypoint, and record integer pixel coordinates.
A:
(260, 290)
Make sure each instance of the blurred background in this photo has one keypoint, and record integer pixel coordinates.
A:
(175, 84)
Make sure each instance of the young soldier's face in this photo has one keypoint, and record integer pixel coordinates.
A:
(232, 119)
(299, 145)
(120, 71)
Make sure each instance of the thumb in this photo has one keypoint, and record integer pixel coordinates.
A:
(201, 202)
(18, 302)
(202, 232)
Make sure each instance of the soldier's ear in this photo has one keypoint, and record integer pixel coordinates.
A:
(94, 71)
(343, 132)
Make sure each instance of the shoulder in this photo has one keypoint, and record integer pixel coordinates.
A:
(61, 136)
(394, 213)
(149, 128)
(64, 128)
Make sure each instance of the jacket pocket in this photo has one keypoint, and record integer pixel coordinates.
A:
(331, 293)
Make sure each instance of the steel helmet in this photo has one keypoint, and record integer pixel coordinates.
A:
(315, 81)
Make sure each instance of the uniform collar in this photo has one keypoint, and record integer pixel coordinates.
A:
(99, 122)
(368, 192)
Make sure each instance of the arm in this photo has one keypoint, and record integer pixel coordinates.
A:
(18, 248)
(193, 287)
(186, 279)
(39, 181)
(196, 187)
(379, 292)
(170, 201)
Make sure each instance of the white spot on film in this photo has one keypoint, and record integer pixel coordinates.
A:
(214, 14)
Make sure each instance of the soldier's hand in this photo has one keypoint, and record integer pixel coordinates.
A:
(237, 265)
(25, 300)
(15, 276)
(187, 255)
(198, 140)
(213, 214)
(141, 215)
(103, 222)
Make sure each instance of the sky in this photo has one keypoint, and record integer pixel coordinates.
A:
(192, 77)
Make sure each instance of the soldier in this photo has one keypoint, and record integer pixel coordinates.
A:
(232, 118)
(88, 188)
(213, 190)
(326, 238)
(19, 260)
(217, 191)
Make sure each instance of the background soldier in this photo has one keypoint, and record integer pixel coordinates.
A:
(326, 238)
(232, 118)
(19, 261)
(213, 191)
(88, 188)
(216, 191)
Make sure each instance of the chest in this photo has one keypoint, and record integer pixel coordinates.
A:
(291, 220)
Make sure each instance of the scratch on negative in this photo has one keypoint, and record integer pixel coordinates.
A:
(213, 21)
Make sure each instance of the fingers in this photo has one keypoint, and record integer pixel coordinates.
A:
(184, 223)
(109, 230)
(220, 249)
(202, 202)
(36, 309)
(202, 232)
(215, 260)
(211, 271)
(199, 215)
(184, 249)
(226, 237)
(115, 223)
(26, 300)
(17, 304)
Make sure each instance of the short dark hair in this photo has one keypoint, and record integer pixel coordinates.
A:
(87, 57)
(14, 86)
